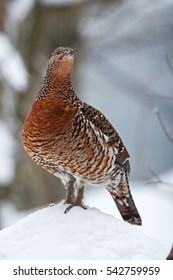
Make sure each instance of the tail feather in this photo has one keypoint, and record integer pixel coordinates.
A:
(128, 210)
(124, 201)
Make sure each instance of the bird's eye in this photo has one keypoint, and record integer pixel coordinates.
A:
(56, 52)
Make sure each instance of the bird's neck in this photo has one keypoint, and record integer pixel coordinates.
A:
(61, 86)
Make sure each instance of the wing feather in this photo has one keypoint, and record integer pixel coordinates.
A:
(113, 139)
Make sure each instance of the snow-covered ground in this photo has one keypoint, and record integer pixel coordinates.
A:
(79, 234)
(72, 236)
(155, 205)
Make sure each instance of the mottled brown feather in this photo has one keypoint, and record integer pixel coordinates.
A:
(74, 141)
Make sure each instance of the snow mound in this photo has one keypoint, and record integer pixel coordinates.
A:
(79, 234)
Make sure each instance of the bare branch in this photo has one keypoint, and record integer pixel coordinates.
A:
(154, 174)
(157, 95)
(156, 110)
(157, 179)
(169, 63)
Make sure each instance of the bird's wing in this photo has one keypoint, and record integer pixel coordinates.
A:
(113, 139)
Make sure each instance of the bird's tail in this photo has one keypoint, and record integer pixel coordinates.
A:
(128, 210)
(125, 203)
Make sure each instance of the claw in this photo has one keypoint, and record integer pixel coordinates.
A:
(71, 206)
(51, 204)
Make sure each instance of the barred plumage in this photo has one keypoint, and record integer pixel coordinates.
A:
(74, 141)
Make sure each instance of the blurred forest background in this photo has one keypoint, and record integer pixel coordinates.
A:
(123, 67)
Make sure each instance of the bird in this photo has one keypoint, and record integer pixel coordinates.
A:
(75, 142)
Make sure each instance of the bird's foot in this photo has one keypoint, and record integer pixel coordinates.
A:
(51, 204)
(72, 205)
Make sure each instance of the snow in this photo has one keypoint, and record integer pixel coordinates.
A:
(154, 202)
(156, 207)
(12, 67)
(19, 9)
(9, 214)
(79, 234)
(6, 154)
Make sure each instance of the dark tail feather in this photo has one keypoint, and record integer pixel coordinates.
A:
(128, 210)
(124, 201)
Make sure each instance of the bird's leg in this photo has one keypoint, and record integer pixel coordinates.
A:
(70, 195)
(79, 197)
(78, 200)
(70, 192)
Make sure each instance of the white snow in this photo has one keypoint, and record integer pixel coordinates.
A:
(19, 9)
(9, 214)
(79, 234)
(154, 203)
(12, 67)
(6, 154)
(37, 235)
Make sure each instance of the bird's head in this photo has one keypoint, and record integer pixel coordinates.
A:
(61, 62)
